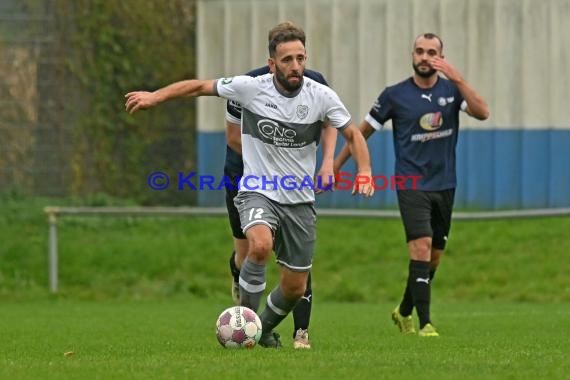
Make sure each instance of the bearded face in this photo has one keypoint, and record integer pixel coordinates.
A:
(291, 81)
(288, 65)
(423, 69)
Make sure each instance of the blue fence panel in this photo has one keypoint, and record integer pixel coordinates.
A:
(496, 169)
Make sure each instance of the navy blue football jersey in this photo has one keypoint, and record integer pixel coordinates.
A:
(425, 127)
(234, 162)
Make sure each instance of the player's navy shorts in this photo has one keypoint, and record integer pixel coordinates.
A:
(294, 227)
(427, 214)
(233, 214)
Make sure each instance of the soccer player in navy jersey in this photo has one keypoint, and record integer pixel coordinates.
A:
(282, 117)
(233, 170)
(424, 110)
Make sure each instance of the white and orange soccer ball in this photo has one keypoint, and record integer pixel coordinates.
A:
(238, 327)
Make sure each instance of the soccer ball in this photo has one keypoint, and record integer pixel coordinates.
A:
(238, 327)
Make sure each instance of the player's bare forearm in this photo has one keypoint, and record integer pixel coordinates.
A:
(140, 100)
(325, 175)
(233, 136)
(328, 138)
(366, 130)
(359, 151)
(340, 160)
(476, 105)
(186, 88)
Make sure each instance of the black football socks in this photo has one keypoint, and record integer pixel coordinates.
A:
(233, 267)
(420, 287)
(302, 311)
(407, 304)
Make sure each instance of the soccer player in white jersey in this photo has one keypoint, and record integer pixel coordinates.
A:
(282, 117)
(233, 170)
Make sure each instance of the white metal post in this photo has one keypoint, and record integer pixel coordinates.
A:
(52, 254)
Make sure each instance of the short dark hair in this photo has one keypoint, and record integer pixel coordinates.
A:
(285, 25)
(430, 36)
(284, 32)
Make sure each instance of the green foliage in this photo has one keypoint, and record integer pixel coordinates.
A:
(109, 49)
(356, 260)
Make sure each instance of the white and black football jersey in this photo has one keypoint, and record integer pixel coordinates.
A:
(280, 133)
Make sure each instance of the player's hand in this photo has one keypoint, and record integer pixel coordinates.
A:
(444, 67)
(363, 184)
(140, 100)
(324, 180)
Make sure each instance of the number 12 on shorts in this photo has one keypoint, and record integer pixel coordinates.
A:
(255, 213)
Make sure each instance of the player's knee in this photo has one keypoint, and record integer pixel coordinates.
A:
(294, 291)
(260, 249)
(420, 249)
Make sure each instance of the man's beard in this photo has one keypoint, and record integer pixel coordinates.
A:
(423, 74)
(285, 83)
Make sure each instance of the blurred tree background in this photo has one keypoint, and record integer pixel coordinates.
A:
(64, 69)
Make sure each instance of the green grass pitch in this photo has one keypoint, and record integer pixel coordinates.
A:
(139, 298)
(175, 339)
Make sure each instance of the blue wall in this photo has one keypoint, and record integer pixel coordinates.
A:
(496, 169)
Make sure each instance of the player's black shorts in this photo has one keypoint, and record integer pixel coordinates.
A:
(427, 214)
(233, 214)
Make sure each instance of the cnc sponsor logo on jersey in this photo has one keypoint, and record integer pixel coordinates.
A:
(302, 111)
(227, 80)
(273, 133)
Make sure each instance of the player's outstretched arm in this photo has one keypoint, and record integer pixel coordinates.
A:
(141, 100)
(366, 130)
(359, 150)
